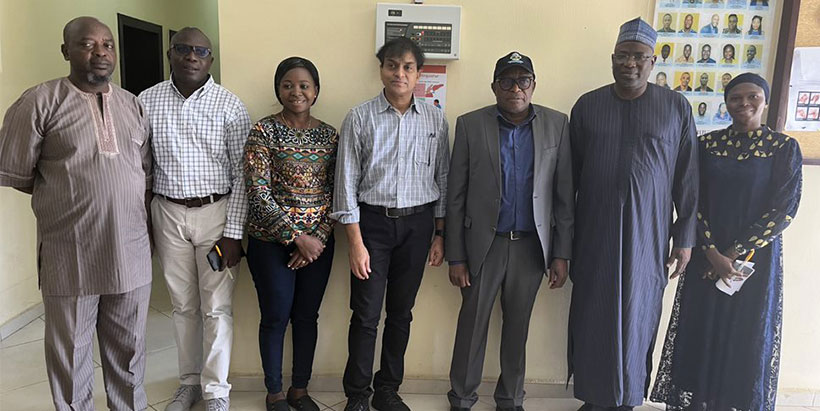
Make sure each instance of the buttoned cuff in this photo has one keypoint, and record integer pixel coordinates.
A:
(233, 231)
(346, 217)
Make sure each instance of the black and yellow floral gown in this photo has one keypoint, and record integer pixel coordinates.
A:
(723, 352)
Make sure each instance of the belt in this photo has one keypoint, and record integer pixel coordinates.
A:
(194, 202)
(396, 212)
(514, 235)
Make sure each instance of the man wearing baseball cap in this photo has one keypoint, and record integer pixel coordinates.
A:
(509, 217)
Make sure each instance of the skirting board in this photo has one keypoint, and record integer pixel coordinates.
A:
(11, 326)
(408, 386)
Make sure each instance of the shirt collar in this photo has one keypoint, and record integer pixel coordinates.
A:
(105, 93)
(198, 92)
(528, 120)
(385, 105)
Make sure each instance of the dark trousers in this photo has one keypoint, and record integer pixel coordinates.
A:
(287, 295)
(398, 250)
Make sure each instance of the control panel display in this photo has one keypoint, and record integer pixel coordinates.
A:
(435, 28)
(431, 37)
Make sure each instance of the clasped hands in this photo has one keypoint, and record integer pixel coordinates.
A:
(308, 249)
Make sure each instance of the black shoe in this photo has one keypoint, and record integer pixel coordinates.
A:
(303, 403)
(359, 403)
(459, 408)
(386, 399)
(516, 408)
(280, 405)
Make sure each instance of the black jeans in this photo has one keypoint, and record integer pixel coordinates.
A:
(287, 295)
(398, 250)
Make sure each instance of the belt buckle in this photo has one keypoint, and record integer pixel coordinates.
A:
(514, 235)
(387, 213)
(191, 202)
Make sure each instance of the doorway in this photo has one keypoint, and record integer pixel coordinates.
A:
(141, 61)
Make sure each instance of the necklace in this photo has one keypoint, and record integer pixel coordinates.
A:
(285, 121)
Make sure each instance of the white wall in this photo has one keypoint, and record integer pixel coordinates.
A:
(570, 42)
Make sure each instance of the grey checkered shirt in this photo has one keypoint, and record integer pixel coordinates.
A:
(390, 159)
(197, 144)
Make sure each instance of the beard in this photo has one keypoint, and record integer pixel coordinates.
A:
(98, 79)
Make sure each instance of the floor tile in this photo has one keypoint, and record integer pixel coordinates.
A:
(33, 331)
(552, 404)
(247, 401)
(160, 300)
(37, 397)
(160, 406)
(159, 333)
(22, 365)
(328, 399)
(795, 398)
(161, 379)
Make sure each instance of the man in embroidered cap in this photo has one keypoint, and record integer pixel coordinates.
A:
(509, 218)
(634, 159)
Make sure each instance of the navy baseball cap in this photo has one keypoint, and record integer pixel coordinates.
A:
(514, 59)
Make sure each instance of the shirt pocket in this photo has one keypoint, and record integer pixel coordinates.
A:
(425, 149)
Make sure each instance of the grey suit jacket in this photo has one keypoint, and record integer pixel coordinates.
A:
(474, 186)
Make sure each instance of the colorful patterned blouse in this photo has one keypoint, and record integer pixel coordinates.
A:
(762, 143)
(289, 179)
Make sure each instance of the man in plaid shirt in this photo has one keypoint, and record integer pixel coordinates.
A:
(199, 204)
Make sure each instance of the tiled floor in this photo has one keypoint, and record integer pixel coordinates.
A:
(23, 384)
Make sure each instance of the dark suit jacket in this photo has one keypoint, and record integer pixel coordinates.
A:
(474, 186)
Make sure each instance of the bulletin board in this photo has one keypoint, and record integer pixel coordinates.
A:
(703, 44)
(808, 35)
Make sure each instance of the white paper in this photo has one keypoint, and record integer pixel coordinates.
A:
(735, 283)
(804, 91)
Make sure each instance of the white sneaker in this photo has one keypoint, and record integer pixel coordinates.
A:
(185, 397)
(218, 404)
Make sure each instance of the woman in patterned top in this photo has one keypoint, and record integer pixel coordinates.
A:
(722, 352)
(290, 160)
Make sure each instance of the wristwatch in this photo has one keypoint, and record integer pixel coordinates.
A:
(439, 233)
(739, 249)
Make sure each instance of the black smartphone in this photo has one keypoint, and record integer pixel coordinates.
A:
(214, 259)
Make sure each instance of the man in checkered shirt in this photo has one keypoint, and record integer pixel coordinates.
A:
(199, 130)
(391, 184)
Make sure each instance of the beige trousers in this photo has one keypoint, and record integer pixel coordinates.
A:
(201, 297)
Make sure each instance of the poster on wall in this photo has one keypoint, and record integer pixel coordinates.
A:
(432, 86)
(703, 44)
(804, 91)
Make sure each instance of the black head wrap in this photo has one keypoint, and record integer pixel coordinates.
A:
(747, 78)
(289, 64)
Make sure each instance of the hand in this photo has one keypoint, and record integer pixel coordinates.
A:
(722, 267)
(459, 275)
(682, 256)
(436, 252)
(309, 246)
(558, 273)
(359, 261)
(297, 260)
(231, 252)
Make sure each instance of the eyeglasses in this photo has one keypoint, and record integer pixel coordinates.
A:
(623, 58)
(184, 50)
(507, 83)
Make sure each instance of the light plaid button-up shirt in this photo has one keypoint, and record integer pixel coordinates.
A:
(390, 159)
(198, 146)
